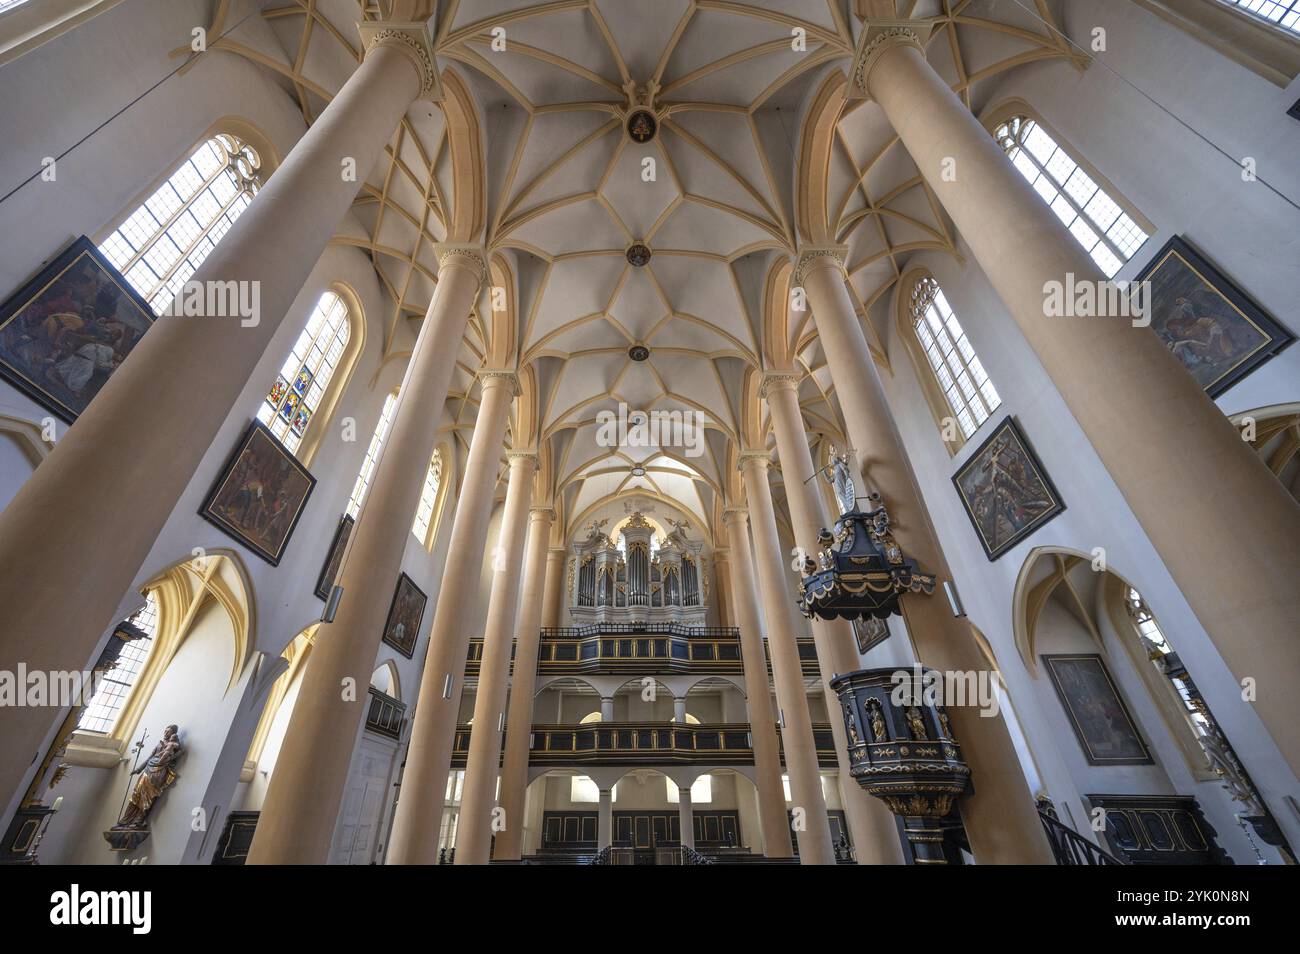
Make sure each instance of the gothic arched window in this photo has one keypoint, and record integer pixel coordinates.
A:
(113, 688)
(162, 243)
(1096, 220)
(299, 388)
(967, 389)
(372, 455)
(428, 498)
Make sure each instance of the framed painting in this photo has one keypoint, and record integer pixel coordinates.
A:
(1217, 332)
(68, 329)
(404, 616)
(261, 493)
(1005, 490)
(330, 571)
(1101, 722)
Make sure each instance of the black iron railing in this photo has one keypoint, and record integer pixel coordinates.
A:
(1071, 848)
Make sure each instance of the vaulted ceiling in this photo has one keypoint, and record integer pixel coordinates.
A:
(714, 196)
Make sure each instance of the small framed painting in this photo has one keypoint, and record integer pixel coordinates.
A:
(1217, 332)
(260, 494)
(404, 616)
(330, 571)
(1005, 490)
(1101, 722)
(68, 329)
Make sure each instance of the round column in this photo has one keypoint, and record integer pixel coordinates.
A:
(1001, 818)
(758, 697)
(686, 816)
(605, 819)
(482, 767)
(306, 790)
(679, 710)
(796, 732)
(150, 426)
(419, 806)
(870, 822)
(1194, 485)
(553, 595)
(523, 682)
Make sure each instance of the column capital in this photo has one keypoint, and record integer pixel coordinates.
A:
(819, 256)
(751, 457)
(879, 35)
(735, 515)
(414, 41)
(500, 376)
(542, 513)
(465, 254)
(774, 380)
(522, 457)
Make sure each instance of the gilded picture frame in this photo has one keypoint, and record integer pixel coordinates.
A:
(405, 613)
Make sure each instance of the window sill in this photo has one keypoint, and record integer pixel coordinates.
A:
(1269, 51)
(91, 750)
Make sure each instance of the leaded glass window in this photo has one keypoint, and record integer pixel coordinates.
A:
(1096, 221)
(1285, 13)
(372, 456)
(428, 497)
(305, 375)
(112, 690)
(161, 244)
(962, 378)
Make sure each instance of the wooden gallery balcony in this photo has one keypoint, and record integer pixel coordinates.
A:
(644, 743)
(613, 648)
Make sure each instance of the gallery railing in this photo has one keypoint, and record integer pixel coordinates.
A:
(617, 648)
(1071, 848)
(644, 743)
(385, 714)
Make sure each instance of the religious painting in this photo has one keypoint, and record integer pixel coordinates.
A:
(330, 571)
(68, 329)
(1005, 490)
(1210, 325)
(404, 616)
(260, 494)
(1100, 720)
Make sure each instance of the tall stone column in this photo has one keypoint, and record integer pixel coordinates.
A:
(796, 729)
(483, 763)
(1000, 817)
(553, 595)
(721, 598)
(523, 683)
(419, 806)
(871, 824)
(306, 790)
(686, 816)
(1194, 485)
(758, 699)
(149, 427)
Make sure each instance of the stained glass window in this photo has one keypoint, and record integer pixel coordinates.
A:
(372, 455)
(428, 497)
(101, 712)
(297, 390)
(1096, 220)
(1285, 13)
(161, 244)
(962, 378)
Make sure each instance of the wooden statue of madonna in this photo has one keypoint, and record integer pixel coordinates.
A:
(155, 776)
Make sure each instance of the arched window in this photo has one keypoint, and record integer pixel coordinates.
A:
(101, 712)
(372, 455)
(966, 387)
(1285, 13)
(428, 498)
(305, 376)
(1094, 218)
(162, 243)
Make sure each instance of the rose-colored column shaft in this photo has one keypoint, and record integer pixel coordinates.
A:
(758, 699)
(149, 427)
(796, 735)
(478, 798)
(424, 783)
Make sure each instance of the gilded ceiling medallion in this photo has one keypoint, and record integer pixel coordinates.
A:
(642, 126)
(638, 471)
(638, 254)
